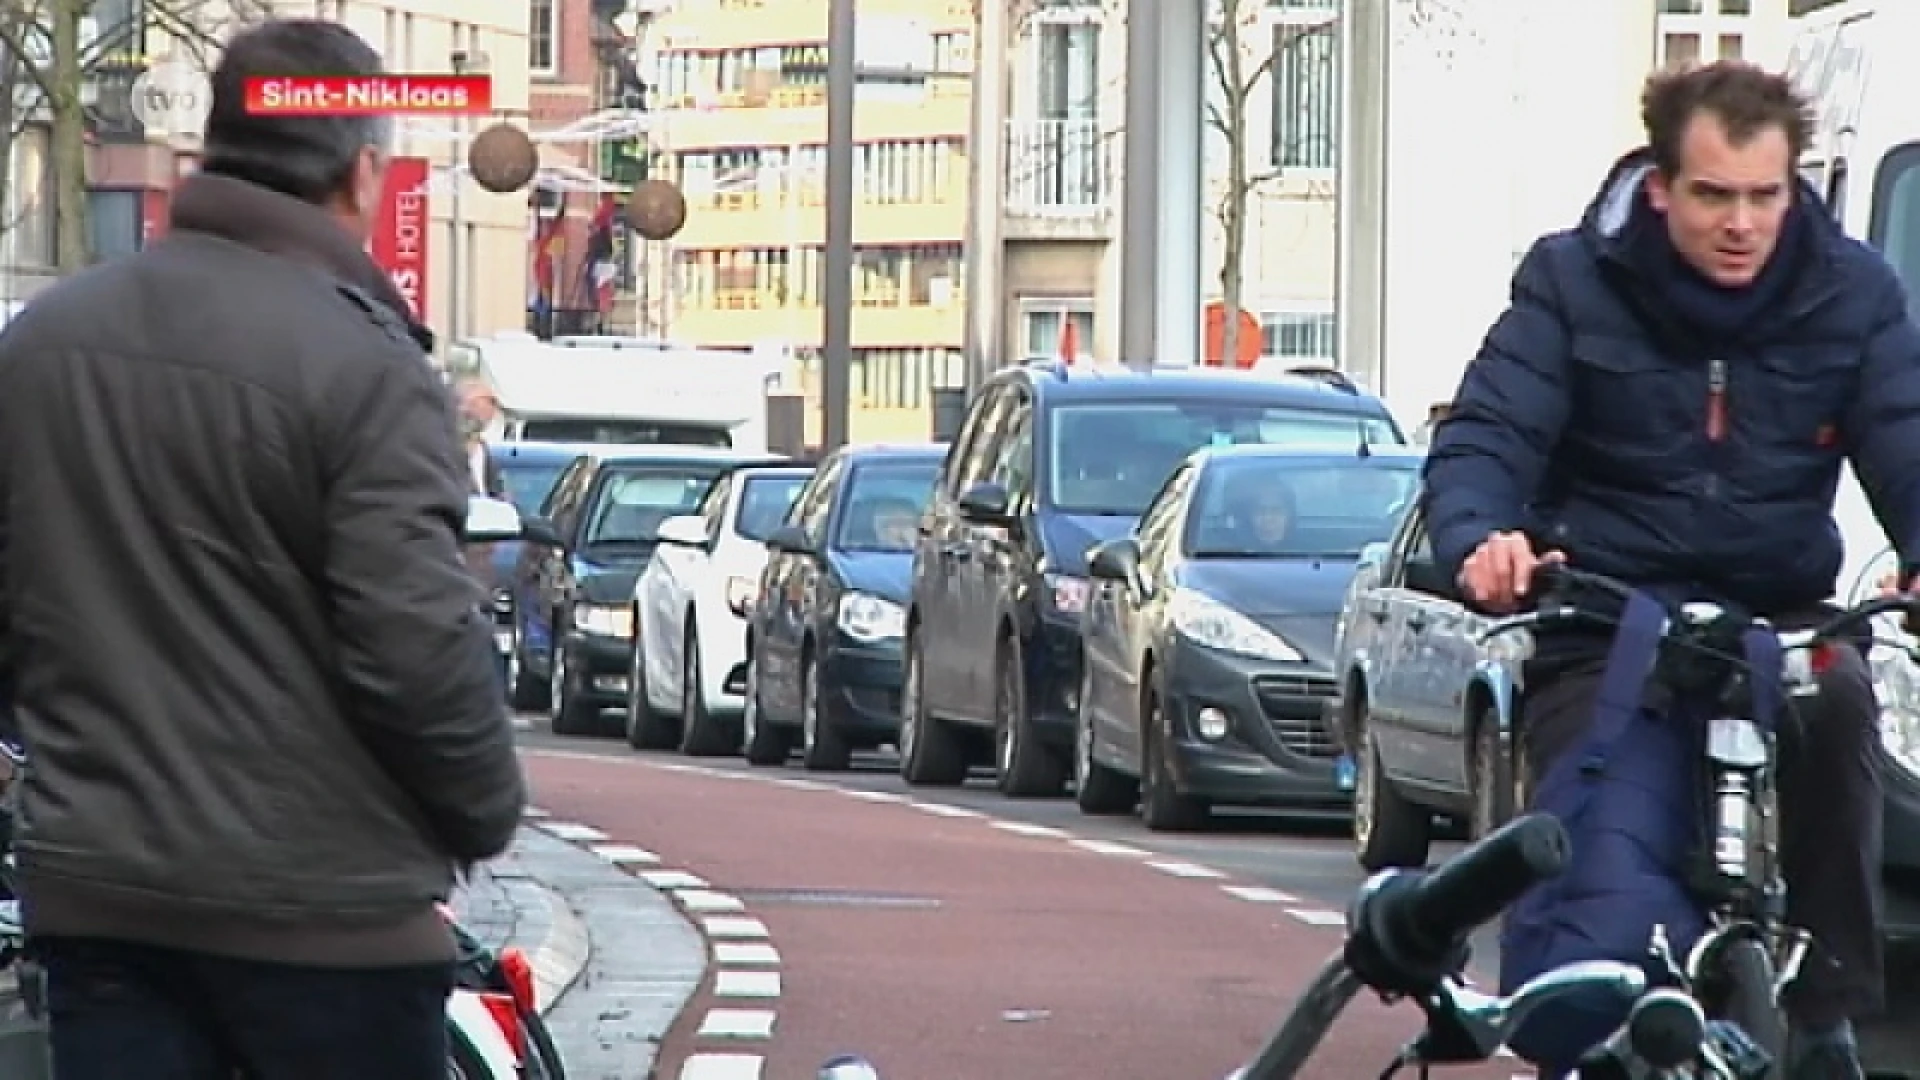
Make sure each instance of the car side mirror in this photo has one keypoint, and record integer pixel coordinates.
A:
(986, 504)
(1424, 575)
(491, 521)
(539, 530)
(683, 530)
(791, 538)
(1118, 560)
(1373, 554)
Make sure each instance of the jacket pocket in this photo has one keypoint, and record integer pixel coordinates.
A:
(1629, 401)
(1801, 396)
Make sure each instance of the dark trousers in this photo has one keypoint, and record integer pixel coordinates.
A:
(1830, 818)
(120, 1011)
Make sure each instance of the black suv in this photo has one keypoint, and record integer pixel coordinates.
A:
(1051, 460)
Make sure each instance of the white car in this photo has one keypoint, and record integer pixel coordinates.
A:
(688, 679)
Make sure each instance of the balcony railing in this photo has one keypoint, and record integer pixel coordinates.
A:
(1058, 168)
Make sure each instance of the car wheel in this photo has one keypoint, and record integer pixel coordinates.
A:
(823, 743)
(931, 754)
(764, 744)
(570, 715)
(1023, 767)
(646, 728)
(1389, 831)
(1490, 776)
(1097, 789)
(525, 691)
(1163, 807)
(700, 734)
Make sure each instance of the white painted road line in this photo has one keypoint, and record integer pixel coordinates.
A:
(1317, 917)
(745, 954)
(626, 855)
(943, 810)
(746, 984)
(572, 833)
(1108, 847)
(1185, 869)
(672, 879)
(534, 813)
(737, 1024)
(723, 1067)
(733, 927)
(1021, 828)
(706, 900)
(1257, 895)
(873, 796)
(798, 784)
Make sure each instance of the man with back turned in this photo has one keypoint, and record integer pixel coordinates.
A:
(253, 674)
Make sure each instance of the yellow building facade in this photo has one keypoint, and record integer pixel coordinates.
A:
(742, 100)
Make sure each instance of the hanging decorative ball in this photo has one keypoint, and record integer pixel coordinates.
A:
(502, 158)
(657, 210)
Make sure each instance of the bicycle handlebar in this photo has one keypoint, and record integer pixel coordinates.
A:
(1552, 581)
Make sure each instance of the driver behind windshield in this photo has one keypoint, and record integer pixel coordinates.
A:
(886, 525)
(1253, 515)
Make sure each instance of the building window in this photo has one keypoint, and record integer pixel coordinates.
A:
(1306, 94)
(1736, 7)
(926, 275)
(1680, 50)
(901, 378)
(543, 38)
(1730, 47)
(1307, 337)
(27, 238)
(113, 219)
(1043, 329)
(1682, 7)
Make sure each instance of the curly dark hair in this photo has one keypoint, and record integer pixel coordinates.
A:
(1746, 99)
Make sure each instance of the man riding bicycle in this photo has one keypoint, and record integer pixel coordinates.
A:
(1668, 399)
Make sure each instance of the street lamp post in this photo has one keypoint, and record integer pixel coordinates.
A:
(836, 297)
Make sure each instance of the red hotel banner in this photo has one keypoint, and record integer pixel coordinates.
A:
(399, 242)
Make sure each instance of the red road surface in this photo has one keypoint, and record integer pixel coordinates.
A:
(1121, 972)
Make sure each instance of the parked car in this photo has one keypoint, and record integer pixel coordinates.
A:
(573, 589)
(1209, 633)
(824, 637)
(526, 473)
(687, 682)
(1050, 461)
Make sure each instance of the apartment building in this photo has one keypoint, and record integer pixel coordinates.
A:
(741, 99)
(476, 241)
(1061, 64)
(1700, 30)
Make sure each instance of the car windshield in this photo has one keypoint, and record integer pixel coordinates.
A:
(884, 501)
(626, 432)
(1895, 224)
(636, 499)
(1111, 458)
(764, 503)
(1280, 508)
(528, 483)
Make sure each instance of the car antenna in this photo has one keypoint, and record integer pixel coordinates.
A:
(1366, 448)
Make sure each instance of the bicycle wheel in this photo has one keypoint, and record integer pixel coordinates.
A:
(464, 1062)
(1743, 995)
(543, 1058)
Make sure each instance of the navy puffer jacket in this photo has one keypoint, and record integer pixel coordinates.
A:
(1587, 419)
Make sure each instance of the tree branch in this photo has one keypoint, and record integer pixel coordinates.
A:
(16, 43)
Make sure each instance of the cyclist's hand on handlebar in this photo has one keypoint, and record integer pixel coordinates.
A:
(1498, 576)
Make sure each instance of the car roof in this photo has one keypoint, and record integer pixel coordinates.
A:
(611, 454)
(1305, 385)
(774, 470)
(894, 451)
(543, 452)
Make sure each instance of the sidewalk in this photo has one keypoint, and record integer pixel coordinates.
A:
(614, 959)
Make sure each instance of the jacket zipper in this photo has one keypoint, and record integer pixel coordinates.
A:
(1716, 400)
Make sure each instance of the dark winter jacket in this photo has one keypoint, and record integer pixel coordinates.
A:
(253, 673)
(1689, 443)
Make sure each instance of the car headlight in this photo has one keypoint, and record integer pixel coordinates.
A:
(1208, 623)
(865, 617)
(1897, 686)
(1067, 594)
(740, 592)
(606, 620)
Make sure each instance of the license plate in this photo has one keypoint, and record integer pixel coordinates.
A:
(1345, 772)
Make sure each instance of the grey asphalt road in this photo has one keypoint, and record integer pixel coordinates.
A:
(1308, 855)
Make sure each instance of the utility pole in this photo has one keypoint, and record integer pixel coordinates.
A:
(836, 295)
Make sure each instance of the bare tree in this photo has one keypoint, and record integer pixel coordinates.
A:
(1242, 60)
(48, 64)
